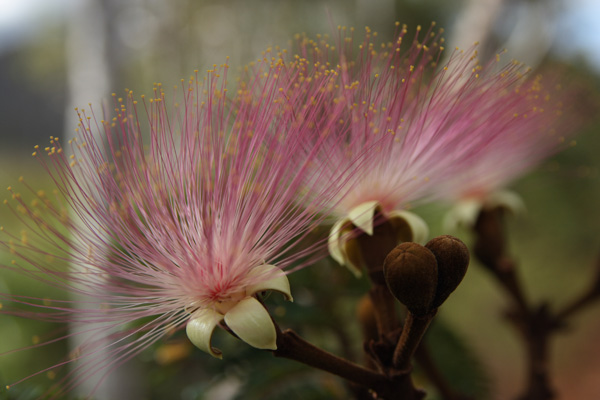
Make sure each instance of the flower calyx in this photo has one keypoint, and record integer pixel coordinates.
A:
(244, 314)
(363, 219)
(466, 211)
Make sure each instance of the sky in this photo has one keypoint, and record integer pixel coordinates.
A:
(579, 32)
(20, 20)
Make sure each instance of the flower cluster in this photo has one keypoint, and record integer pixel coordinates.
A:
(183, 213)
(433, 129)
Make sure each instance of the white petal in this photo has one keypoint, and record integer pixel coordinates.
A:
(275, 279)
(507, 199)
(334, 241)
(362, 216)
(200, 328)
(252, 323)
(355, 268)
(419, 228)
(337, 244)
(464, 213)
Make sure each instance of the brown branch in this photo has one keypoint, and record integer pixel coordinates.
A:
(490, 249)
(589, 297)
(412, 333)
(293, 347)
(374, 249)
(577, 305)
(384, 305)
(396, 386)
(536, 325)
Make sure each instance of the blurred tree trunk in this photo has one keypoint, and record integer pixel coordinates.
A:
(91, 60)
(526, 28)
(475, 23)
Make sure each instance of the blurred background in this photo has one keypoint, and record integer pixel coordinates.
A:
(59, 54)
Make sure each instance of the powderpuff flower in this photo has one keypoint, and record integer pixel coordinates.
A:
(533, 128)
(424, 121)
(183, 214)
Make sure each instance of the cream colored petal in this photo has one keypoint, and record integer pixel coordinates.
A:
(419, 228)
(353, 257)
(200, 328)
(464, 213)
(275, 279)
(339, 245)
(507, 199)
(335, 248)
(362, 216)
(252, 323)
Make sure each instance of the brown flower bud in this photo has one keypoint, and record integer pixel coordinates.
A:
(452, 257)
(411, 274)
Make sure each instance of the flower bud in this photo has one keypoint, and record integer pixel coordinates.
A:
(452, 257)
(411, 274)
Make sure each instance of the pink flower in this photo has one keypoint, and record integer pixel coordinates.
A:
(526, 125)
(423, 125)
(182, 215)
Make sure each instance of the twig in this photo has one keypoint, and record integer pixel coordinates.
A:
(396, 386)
(583, 301)
(536, 325)
(412, 333)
